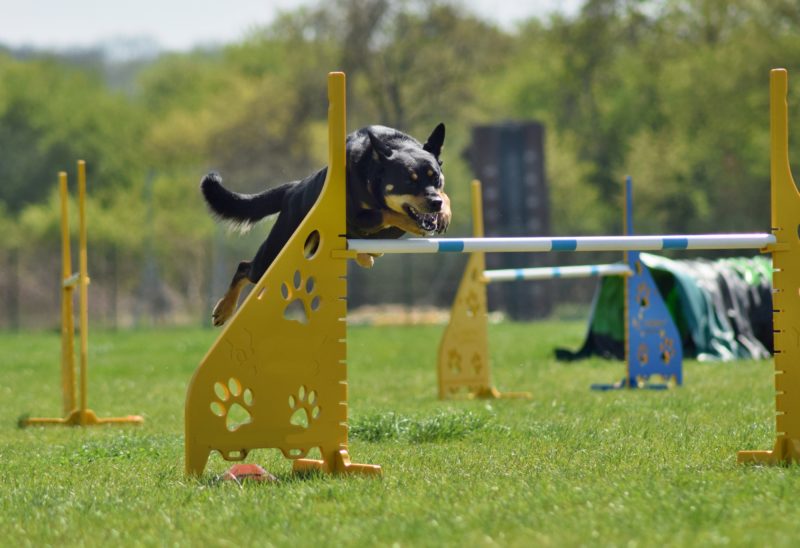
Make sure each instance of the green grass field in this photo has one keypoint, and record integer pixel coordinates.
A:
(568, 467)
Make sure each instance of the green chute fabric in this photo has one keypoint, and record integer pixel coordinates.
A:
(722, 308)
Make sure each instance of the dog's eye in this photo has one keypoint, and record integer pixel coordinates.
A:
(414, 176)
(430, 173)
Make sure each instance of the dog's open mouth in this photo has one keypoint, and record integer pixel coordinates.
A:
(425, 221)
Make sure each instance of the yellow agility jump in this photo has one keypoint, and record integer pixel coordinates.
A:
(785, 222)
(650, 335)
(463, 363)
(290, 375)
(80, 415)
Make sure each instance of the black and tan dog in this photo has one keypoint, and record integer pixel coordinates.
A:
(394, 186)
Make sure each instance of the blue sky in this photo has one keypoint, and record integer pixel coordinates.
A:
(182, 24)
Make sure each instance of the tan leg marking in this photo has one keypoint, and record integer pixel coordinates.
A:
(226, 306)
(365, 260)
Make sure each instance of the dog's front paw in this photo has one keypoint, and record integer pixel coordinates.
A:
(365, 260)
(223, 310)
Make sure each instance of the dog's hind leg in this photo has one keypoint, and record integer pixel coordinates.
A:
(251, 271)
(226, 306)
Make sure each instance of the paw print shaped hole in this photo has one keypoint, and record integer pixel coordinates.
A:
(232, 403)
(642, 355)
(302, 301)
(476, 275)
(473, 305)
(477, 363)
(643, 296)
(454, 362)
(667, 350)
(304, 407)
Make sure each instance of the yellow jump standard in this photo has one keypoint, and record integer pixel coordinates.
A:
(287, 373)
(81, 415)
(463, 364)
(785, 204)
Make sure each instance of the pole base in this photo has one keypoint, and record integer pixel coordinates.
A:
(786, 451)
(341, 464)
(493, 393)
(630, 383)
(79, 417)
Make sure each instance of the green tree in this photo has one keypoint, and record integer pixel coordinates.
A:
(51, 116)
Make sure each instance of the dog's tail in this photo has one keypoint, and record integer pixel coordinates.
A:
(241, 210)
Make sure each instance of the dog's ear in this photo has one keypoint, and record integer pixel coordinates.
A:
(435, 141)
(378, 146)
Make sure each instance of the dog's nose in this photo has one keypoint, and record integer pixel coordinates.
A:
(435, 204)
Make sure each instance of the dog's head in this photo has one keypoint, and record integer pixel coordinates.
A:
(412, 183)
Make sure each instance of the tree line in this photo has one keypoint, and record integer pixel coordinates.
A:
(674, 93)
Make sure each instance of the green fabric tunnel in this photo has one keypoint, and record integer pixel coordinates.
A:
(722, 308)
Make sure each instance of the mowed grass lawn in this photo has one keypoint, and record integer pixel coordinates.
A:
(568, 467)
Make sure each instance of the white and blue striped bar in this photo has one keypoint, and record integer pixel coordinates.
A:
(556, 272)
(580, 243)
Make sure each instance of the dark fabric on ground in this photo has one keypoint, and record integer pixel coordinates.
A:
(723, 309)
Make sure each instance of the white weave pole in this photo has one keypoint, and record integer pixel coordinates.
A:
(580, 243)
(556, 272)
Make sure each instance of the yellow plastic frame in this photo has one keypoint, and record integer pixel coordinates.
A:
(785, 203)
(81, 415)
(286, 373)
(463, 367)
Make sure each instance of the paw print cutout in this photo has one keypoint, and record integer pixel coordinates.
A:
(301, 301)
(667, 348)
(643, 295)
(304, 406)
(641, 355)
(232, 403)
(454, 361)
(473, 305)
(477, 363)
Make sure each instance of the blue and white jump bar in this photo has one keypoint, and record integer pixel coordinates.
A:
(556, 272)
(581, 243)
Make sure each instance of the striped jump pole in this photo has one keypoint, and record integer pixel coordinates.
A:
(694, 242)
(556, 272)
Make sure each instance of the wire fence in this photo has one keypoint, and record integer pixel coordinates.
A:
(129, 291)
